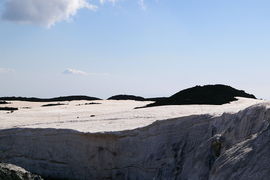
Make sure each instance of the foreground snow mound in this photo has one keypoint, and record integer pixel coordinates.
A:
(196, 147)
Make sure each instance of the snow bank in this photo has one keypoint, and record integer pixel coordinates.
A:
(195, 142)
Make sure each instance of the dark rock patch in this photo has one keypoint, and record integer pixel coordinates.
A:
(57, 104)
(25, 107)
(91, 103)
(8, 109)
(4, 102)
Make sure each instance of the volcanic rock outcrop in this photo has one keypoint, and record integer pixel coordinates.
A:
(209, 94)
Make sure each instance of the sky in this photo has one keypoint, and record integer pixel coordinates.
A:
(150, 48)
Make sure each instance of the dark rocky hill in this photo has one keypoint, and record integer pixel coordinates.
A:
(209, 94)
(127, 97)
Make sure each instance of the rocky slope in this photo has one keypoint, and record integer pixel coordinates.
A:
(232, 146)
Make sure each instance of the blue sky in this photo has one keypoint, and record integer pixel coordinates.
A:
(148, 48)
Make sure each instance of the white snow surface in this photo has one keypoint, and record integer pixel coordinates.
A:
(109, 116)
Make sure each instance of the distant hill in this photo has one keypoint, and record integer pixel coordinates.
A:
(209, 94)
(62, 98)
(127, 97)
(135, 98)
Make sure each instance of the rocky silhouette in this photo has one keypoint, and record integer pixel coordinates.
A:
(62, 98)
(127, 97)
(209, 94)
(135, 98)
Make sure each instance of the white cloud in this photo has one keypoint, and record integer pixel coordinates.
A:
(48, 12)
(75, 72)
(43, 12)
(6, 70)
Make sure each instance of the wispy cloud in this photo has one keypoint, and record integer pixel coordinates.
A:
(142, 4)
(6, 70)
(111, 1)
(43, 12)
(71, 71)
(75, 72)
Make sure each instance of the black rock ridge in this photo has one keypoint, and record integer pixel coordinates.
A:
(209, 94)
